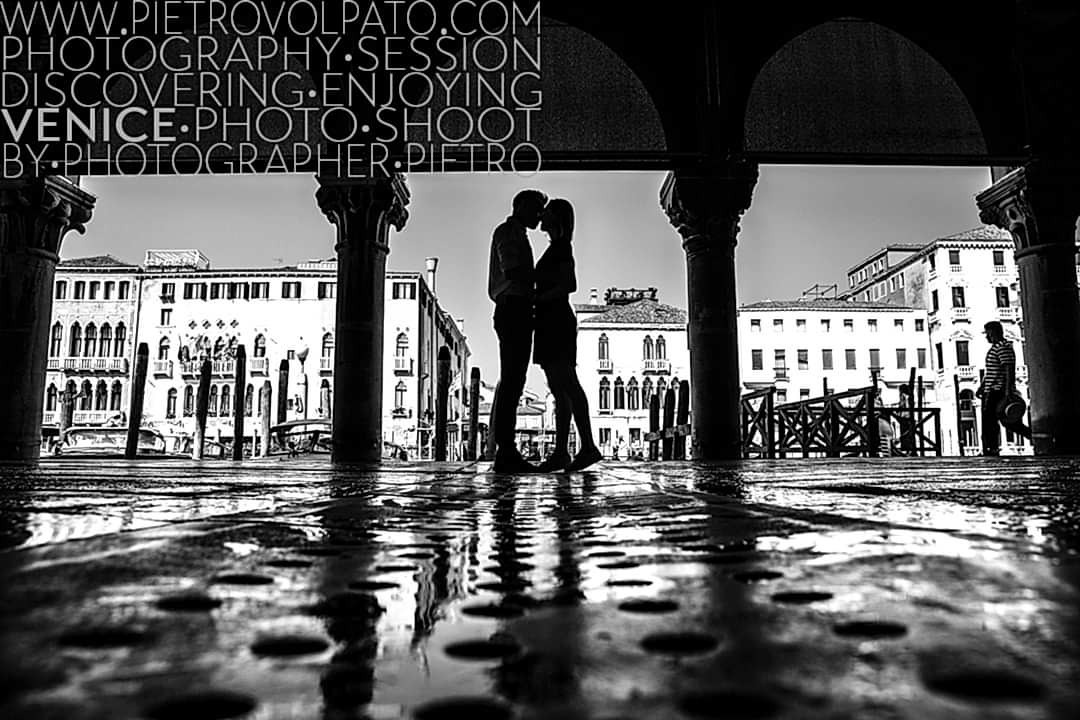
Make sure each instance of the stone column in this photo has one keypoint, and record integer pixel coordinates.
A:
(705, 209)
(35, 215)
(1038, 204)
(363, 212)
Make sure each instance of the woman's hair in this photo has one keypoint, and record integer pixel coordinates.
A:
(564, 216)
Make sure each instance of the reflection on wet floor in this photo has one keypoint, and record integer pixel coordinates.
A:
(833, 589)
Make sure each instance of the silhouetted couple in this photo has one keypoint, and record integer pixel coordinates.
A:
(536, 298)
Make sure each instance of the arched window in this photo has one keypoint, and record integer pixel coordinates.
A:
(101, 396)
(401, 346)
(632, 398)
(324, 399)
(399, 394)
(86, 396)
(661, 348)
(249, 400)
(90, 341)
(116, 397)
(105, 342)
(163, 349)
(260, 346)
(71, 391)
(219, 348)
(602, 348)
(327, 344)
(646, 393)
(170, 404)
(605, 394)
(212, 404)
(189, 400)
(56, 343)
(75, 341)
(647, 348)
(50, 398)
(120, 346)
(226, 406)
(262, 394)
(620, 395)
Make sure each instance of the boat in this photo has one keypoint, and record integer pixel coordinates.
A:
(301, 437)
(107, 442)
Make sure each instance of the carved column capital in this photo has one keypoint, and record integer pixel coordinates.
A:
(1035, 203)
(705, 208)
(37, 214)
(363, 210)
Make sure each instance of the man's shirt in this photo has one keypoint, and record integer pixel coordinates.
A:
(510, 250)
(998, 356)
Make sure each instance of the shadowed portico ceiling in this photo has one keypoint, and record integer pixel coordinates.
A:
(687, 81)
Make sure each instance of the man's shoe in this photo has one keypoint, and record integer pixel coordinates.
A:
(584, 459)
(558, 461)
(513, 465)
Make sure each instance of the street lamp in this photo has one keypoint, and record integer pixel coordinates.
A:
(302, 356)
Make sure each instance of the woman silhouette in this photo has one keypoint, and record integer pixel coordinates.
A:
(555, 343)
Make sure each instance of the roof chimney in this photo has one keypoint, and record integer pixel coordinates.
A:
(594, 296)
(432, 263)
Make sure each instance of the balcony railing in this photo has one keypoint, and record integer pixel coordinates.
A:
(326, 365)
(163, 368)
(221, 368)
(657, 365)
(90, 364)
(956, 269)
(781, 373)
(1008, 314)
(967, 372)
(91, 417)
(1001, 269)
(225, 368)
(1021, 373)
(605, 365)
(400, 412)
(403, 366)
(259, 365)
(960, 314)
(50, 417)
(53, 364)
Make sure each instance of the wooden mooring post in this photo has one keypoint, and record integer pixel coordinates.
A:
(653, 438)
(138, 392)
(239, 400)
(442, 393)
(264, 416)
(202, 407)
(474, 413)
(682, 421)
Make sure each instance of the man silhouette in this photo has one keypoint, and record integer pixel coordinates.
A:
(510, 287)
(999, 383)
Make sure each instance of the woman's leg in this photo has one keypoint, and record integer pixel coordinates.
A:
(558, 384)
(580, 404)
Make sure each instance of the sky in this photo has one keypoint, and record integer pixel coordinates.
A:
(806, 225)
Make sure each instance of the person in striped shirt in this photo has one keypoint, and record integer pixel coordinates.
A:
(999, 382)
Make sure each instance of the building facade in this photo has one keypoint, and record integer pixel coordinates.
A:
(188, 312)
(961, 281)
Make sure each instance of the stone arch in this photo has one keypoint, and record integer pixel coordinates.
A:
(852, 86)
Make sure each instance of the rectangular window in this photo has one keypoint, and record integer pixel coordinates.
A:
(875, 359)
(958, 297)
(921, 352)
(898, 324)
(849, 359)
(825, 325)
(901, 359)
(872, 325)
(781, 395)
(780, 360)
(803, 359)
(755, 325)
(290, 290)
(326, 290)
(290, 355)
(80, 289)
(757, 362)
(778, 325)
(215, 290)
(95, 286)
(605, 436)
(1002, 294)
(934, 304)
(110, 288)
(395, 291)
(800, 326)
(920, 326)
(849, 325)
(61, 290)
(826, 360)
(804, 393)
(940, 356)
(962, 357)
(954, 257)
(999, 258)
(166, 316)
(168, 292)
(125, 290)
(189, 291)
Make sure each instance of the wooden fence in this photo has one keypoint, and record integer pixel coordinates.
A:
(835, 425)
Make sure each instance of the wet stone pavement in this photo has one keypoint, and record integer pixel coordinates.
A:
(923, 588)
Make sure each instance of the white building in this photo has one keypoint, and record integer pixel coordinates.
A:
(962, 281)
(186, 311)
(93, 322)
(804, 346)
(629, 348)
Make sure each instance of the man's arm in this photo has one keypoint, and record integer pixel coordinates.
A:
(513, 257)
